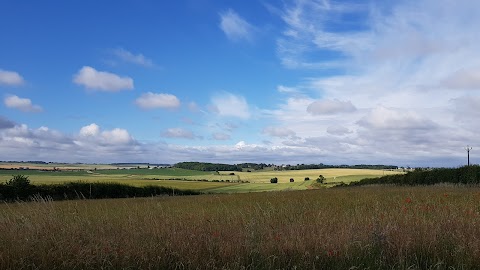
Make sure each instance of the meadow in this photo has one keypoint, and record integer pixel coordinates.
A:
(371, 227)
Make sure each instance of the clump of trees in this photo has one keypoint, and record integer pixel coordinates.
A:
(210, 167)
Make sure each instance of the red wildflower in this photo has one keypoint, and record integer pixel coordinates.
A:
(408, 200)
(332, 253)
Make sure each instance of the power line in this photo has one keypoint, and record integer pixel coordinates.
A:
(468, 148)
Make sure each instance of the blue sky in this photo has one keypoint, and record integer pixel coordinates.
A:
(294, 81)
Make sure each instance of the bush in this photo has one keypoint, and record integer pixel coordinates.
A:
(307, 178)
(17, 187)
(292, 180)
(274, 180)
(19, 182)
(321, 179)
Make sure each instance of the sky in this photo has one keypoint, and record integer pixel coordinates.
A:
(283, 82)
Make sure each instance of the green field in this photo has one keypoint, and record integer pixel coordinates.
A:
(434, 227)
(222, 182)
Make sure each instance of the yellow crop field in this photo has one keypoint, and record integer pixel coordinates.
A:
(218, 182)
(331, 175)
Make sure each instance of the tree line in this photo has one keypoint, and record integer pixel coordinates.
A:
(462, 175)
(326, 166)
(205, 166)
(20, 188)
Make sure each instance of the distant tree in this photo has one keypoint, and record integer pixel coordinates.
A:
(292, 180)
(307, 178)
(274, 180)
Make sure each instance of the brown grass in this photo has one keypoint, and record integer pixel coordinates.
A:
(357, 228)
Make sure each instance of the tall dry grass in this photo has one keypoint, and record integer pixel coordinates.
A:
(352, 228)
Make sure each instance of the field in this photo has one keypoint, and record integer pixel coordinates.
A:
(435, 227)
(222, 182)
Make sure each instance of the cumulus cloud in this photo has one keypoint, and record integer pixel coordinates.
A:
(117, 136)
(102, 80)
(22, 104)
(320, 107)
(280, 132)
(152, 101)
(93, 134)
(10, 78)
(91, 130)
(230, 105)
(219, 136)
(235, 27)
(129, 57)
(178, 133)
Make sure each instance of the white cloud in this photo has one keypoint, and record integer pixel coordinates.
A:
(152, 101)
(178, 133)
(10, 78)
(138, 59)
(22, 104)
(335, 106)
(93, 135)
(91, 130)
(117, 136)
(102, 80)
(235, 27)
(230, 105)
(281, 132)
(219, 136)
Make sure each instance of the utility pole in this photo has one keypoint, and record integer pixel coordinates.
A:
(468, 148)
